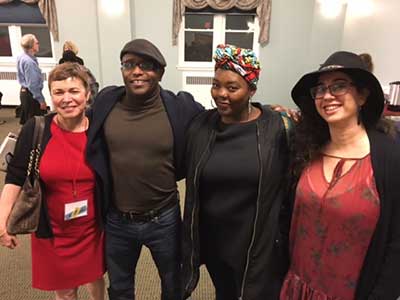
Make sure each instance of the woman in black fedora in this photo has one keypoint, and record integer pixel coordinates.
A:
(345, 229)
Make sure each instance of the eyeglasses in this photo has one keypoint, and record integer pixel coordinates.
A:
(336, 89)
(144, 66)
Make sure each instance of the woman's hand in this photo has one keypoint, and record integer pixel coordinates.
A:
(9, 241)
(292, 113)
(8, 197)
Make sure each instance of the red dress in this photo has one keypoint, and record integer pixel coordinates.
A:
(75, 255)
(331, 229)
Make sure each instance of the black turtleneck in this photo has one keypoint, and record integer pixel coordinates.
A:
(140, 143)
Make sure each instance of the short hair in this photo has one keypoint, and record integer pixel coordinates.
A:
(69, 70)
(69, 45)
(27, 41)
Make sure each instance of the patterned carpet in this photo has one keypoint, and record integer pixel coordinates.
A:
(15, 265)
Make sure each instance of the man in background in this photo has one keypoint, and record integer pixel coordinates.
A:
(30, 78)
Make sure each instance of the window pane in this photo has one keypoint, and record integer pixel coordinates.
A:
(243, 40)
(5, 46)
(43, 35)
(199, 21)
(239, 22)
(198, 46)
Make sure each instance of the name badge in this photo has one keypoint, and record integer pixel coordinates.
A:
(75, 210)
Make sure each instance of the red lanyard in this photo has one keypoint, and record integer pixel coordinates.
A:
(68, 161)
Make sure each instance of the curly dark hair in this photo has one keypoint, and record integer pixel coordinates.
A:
(312, 131)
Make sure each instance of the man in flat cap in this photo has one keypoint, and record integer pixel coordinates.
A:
(136, 144)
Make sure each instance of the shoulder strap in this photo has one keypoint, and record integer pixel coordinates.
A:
(36, 148)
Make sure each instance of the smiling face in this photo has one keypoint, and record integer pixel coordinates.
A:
(342, 109)
(231, 94)
(139, 83)
(69, 97)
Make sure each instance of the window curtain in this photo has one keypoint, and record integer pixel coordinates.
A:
(263, 11)
(49, 12)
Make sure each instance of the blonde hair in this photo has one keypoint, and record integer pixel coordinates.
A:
(27, 41)
(69, 45)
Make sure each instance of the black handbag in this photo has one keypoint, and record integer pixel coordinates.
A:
(25, 213)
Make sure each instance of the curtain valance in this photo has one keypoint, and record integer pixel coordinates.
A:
(263, 11)
(48, 10)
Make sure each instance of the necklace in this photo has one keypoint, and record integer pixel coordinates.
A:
(72, 165)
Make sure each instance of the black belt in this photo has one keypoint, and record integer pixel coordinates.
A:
(146, 216)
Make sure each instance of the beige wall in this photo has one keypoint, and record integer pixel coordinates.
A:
(301, 38)
(377, 34)
(99, 36)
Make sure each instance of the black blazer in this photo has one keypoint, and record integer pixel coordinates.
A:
(180, 108)
(379, 275)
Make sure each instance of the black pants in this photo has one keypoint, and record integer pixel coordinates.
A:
(29, 106)
(223, 278)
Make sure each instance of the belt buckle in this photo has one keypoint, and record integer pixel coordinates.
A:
(131, 216)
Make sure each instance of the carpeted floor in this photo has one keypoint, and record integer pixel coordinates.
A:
(15, 265)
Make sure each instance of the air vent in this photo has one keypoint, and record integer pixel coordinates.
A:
(8, 76)
(199, 80)
(13, 76)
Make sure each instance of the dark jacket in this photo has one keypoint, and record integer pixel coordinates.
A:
(16, 172)
(379, 275)
(70, 56)
(180, 108)
(265, 263)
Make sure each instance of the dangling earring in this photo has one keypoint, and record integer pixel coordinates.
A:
(249, 108)
(359, 117)
(212, 103)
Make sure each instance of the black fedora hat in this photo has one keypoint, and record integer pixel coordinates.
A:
(351, 64)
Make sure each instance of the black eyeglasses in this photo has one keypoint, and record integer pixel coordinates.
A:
(144, 66)
(336, 89)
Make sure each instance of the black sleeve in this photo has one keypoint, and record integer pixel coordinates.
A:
(193, 108)
(387, 286)
(16, 170)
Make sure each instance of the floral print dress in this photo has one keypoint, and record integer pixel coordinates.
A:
(332, 226)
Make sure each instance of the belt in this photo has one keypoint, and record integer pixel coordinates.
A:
(146, 216)
(24, 89)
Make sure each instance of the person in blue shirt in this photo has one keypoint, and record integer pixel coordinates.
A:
(30, 78)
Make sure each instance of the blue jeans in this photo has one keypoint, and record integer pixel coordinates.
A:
(124, 241)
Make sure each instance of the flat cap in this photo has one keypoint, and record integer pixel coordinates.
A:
(143, 47)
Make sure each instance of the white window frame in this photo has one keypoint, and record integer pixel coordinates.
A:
(15, 34)
(218, 31)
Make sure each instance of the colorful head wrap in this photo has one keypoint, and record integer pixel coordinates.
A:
(242, 61)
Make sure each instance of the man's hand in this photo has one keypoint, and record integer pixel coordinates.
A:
(292, 113)
(43, 105)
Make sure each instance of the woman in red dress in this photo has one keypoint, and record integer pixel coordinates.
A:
(345, 231)
(67, 249)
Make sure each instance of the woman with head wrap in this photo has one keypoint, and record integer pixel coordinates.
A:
(236, 160)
